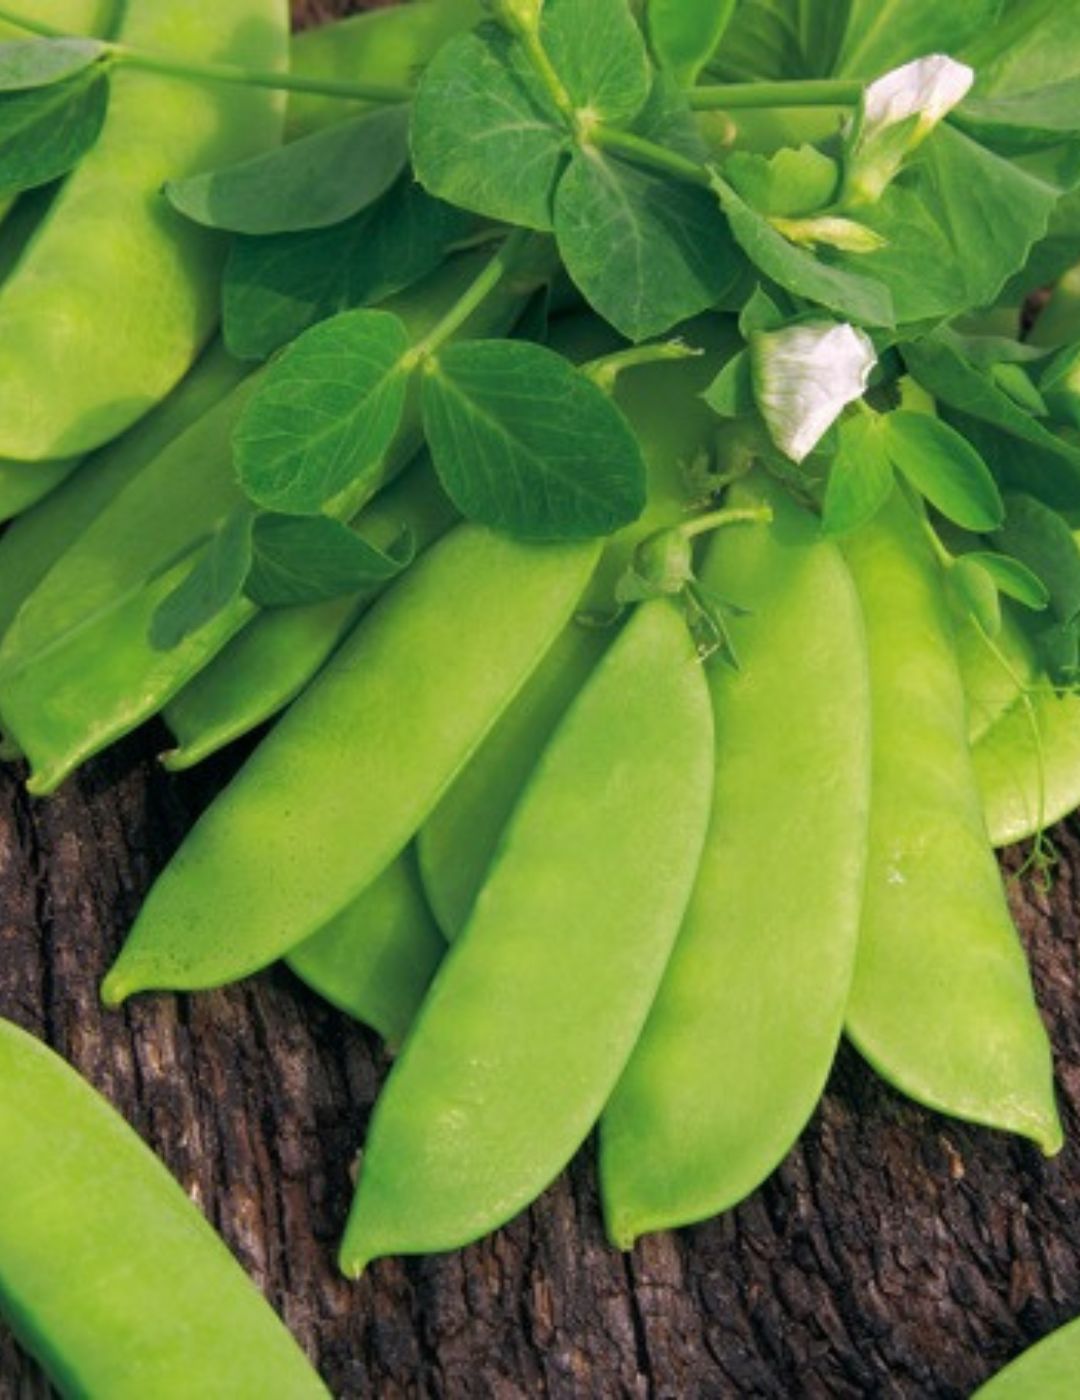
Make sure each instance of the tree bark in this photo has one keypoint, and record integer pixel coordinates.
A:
(894, 1254)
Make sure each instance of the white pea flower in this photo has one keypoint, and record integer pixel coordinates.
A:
(804, 378)
(897, 113)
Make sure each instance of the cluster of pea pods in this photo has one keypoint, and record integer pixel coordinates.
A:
(575, 873)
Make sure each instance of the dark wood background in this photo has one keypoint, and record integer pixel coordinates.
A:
(895, 1253)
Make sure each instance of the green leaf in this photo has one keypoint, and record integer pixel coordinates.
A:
(306, 559)
(275, 288)
(36, 63)
(731, 394)
(525, 443)
(954, 230)
(882, 34)
(485, 134)
(1040, 538)
(684, 34)
(805, 375)
(214, 581)
(770, 39)
(46, 131)
(760, 313)
(1036, 43)
(325, 413)
(861, 475)
(793, 182)
(1048, 466)
(311, 183)
(855, 297)
(944, 468)
(1027, 121)
(975, 589)
(1013, 578)
(599, 54)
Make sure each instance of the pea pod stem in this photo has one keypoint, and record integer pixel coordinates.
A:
(500, 266)
(648, 153)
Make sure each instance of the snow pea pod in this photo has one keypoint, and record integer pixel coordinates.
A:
(1028, 765)
(375, 960)
(742, 1035)
(941, 1002)
(78, 669)
(457, 842)
(31, 545)
(1046, 1371)
(538, 1004)
(108, 1273)
(343, 782)
(269, 663)
(111, 253)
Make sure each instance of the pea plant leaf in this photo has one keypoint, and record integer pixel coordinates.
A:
(485, 134)
(975, 591)
(852, 295)
(860, 477)
(945, 468)
(276, 287)
(1026, 121)
(882, 34)
(216, 578)
(1047, 465)
(1013, 578)
(1041, 539)
(46, 131)
(36, 63)
(684, 34)
(731, 394)
(325, 413)
(954, 230)
(769, 39)
(599, 53)
(307, 559)
(793, 182)
(524, 442)
(1036, 43)
(311, 183)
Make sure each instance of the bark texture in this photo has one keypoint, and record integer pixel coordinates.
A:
(895, 1254)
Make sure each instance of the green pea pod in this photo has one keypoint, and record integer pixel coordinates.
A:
(941, 1003)
(350, 773)
(534, 1012)
(744, 1029)
(457, 842)
(1046, 1371)
(108, 1273)
(990, 686)
(78, 668)
(110, 253)
(376, 958)
(1028, 765)
(270, 662)
(32, 544)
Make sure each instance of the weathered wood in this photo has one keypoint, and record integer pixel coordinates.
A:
(895, 1254)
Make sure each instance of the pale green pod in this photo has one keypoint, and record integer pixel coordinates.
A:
(375, 960)
(116, 294)
(109, 1274)
(533, 1014)
(941, 1003)
(344, 781)
(744, 1029)
(1047, 1371)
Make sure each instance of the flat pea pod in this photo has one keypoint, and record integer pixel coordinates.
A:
(458, 840)
(351, 771)
(34, 542)
(742, 1035)
(112, 254)
(941, 1003)
(375, 960)
(532, 1016)
(108, 1273)
(78, 668)
(1046, 1371)
(269, 663)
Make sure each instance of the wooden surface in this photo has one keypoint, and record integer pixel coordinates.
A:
(894, 1254)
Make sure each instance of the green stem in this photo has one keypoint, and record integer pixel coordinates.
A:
(32, 26)
(605, 371)
(484, 284)
(648, 153)
(812, 92)
(253, 77)
(720, 519)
